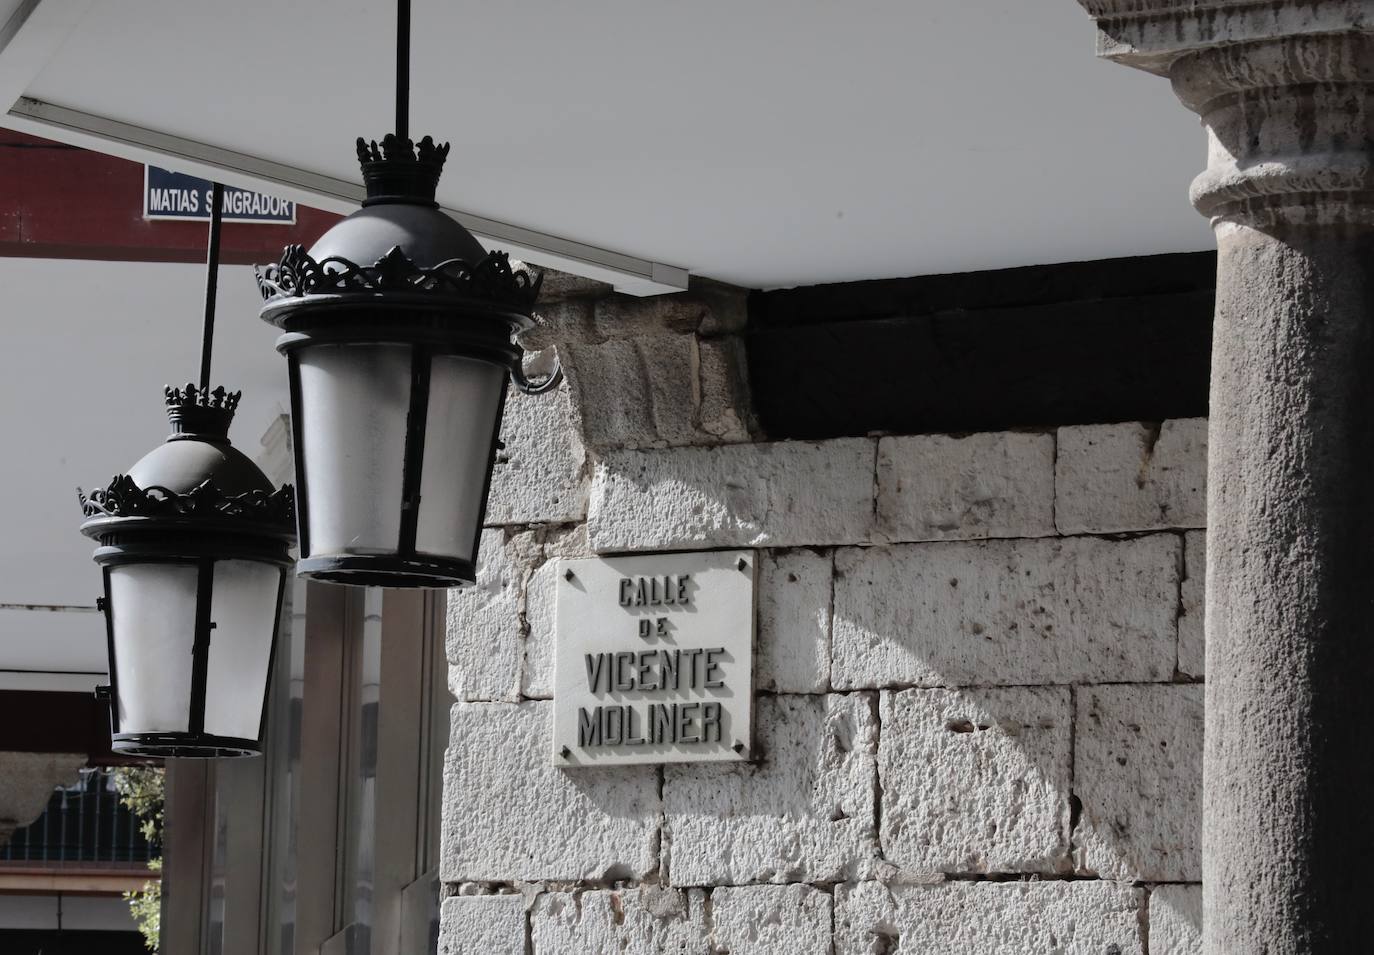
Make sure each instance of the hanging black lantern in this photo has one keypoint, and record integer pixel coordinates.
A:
(193, 545)
(399, 338)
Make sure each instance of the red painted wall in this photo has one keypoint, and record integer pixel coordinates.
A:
(61, 202)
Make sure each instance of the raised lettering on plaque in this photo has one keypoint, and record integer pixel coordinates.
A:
(654, 659)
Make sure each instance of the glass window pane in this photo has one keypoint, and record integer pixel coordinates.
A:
(153, 611)
(243, 608)
(354, 404)
(361, 851)
(463, 397)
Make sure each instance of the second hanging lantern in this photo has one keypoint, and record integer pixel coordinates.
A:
(399, 335)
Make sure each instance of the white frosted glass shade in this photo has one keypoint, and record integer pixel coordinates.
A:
(354, 400)
(464, 398)
(243, 608)
(153, 619)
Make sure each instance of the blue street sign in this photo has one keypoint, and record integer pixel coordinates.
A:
(174, 195)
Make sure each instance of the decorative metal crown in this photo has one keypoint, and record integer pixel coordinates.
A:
(490, 280)
(401, 170)
(201, 411)
(124, 498)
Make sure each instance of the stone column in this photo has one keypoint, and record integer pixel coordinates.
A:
(1285, 91)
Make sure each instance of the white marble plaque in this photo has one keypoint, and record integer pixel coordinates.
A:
(654, 659)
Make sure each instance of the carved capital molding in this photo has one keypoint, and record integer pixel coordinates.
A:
(1285, 91)
(1152, 34)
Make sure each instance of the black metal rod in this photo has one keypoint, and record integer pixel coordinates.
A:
(402, 69)
(207, 338)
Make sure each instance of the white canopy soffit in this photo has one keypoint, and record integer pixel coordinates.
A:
(768, 144)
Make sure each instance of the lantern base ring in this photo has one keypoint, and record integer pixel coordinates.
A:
(388, 570)
(183, 745)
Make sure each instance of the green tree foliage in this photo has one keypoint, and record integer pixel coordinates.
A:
(142, 791)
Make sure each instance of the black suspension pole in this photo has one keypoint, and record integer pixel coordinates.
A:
(211, 284)
(403, 70)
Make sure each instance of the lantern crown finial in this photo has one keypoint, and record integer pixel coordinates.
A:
(204, 413)
(400, 170)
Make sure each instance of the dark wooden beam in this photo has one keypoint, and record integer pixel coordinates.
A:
(1087, 342)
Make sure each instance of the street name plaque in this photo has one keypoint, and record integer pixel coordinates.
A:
(177, 196)
(654, 659)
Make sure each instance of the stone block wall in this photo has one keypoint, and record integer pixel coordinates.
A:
(979, 719)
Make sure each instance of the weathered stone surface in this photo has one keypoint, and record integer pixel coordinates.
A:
(510, 815)
(1192, 636)
(660, 371)
(1176, 920)
(803, 813)
(937, 487)
(788, 494)
(710, 310)
(1131, 477)
(27, 781)
(540, 603)
(485, 642)
(647, 921)
(1138, 773)
(542, 475)
(976, 781)
(770, 920)
(793, 654)
(988, 918)
(482, 925)
(1006, 612)
(721, 405)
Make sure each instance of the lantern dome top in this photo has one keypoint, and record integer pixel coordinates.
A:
(400, 248)
(427, 236)
(196, 476)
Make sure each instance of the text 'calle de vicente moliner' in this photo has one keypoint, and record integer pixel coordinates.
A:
(683, 672)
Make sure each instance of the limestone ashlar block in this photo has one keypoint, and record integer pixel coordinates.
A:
(793, 654)
(988, 918)
(1023, 612)
(646, 921)
(804, 812)
(541, 476)
(1131, 477)
(1192, 635)
(654, 392)
(1176, 920)
(938, 487)
(541, 602)
(541, 595)
(510, 815)
(770, 920)
(482, 925)
(787, 494)
(484, 639)
(976, 781)
(1138, 774)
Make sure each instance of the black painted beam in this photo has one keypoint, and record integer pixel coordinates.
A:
(1088, 342)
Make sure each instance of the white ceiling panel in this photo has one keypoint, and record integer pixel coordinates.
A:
(769, 143)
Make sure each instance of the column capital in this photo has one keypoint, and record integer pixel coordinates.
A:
(1285, 89)
(1152, 34)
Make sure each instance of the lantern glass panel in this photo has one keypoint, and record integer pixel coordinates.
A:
(464, 400)
(243, 607)
(153, 617)
(354, 402)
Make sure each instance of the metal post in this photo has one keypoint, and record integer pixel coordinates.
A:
(211, 283)
(403, 69)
